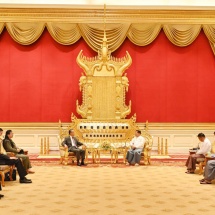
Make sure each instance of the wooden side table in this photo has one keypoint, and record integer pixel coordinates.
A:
(99, 151)
(121, 150)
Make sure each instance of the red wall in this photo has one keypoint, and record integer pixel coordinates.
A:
(39, 83)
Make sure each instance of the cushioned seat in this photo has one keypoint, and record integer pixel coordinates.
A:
(200, 159)
(3, 167)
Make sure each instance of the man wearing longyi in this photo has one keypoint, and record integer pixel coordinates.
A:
(73, 146)
(134, 154)
(10, 146)
(204, 148)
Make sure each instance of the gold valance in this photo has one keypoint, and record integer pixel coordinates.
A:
(1, 27)
(64, 33)
(25, 33)
(143, 34)
(140, 34)
(210, 33)
(93, 34)
(182, 35)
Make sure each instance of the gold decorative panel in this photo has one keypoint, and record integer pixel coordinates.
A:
(103, 85)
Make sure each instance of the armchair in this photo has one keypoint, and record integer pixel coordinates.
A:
(146, 153)
(5, 168)
(201, 162)
(65, 155)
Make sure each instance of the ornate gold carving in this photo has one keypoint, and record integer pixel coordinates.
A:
(102, 74)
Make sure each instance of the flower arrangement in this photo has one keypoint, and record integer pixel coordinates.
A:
(105, 145)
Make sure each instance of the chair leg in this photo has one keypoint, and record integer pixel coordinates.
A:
(149, 160)
(65, 160)
(11, 172)
(145, 160)
(61, 159)
(2, 179)
(86, 157)
(200, 168)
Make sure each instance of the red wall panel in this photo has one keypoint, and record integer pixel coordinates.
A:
(39, 83)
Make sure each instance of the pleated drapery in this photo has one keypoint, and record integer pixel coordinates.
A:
(140, 34)
(25, 33)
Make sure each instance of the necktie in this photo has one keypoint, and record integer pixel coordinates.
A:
(74, 143)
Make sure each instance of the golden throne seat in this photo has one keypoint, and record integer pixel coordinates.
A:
(103, 84)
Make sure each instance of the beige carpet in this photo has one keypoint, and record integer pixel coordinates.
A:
(143, 190)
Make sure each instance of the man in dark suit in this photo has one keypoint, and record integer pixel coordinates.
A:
(72, 143)
(6, 160)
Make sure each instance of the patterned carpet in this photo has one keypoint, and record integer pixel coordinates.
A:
(143, 190)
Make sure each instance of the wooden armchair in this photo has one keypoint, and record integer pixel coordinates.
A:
(201, 162)
(5, 168)
(65, 156)
(146, 153)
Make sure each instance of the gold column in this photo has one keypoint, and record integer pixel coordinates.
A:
(47, 150)
(162, 146)
(41, 146)
(159, 150)
(166, 148)
(44, 150)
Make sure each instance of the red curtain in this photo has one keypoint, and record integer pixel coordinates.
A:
(39, 83)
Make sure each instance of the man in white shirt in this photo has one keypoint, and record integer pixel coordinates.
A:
(204, 148)
(134, 154)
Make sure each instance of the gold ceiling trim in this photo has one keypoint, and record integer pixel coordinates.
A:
(67, 26)
(112, 15)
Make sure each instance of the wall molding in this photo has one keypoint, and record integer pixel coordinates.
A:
(113, 15)
(152, 125)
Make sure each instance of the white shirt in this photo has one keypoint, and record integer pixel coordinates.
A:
(138, 142)
(72, 141)
(205, 147)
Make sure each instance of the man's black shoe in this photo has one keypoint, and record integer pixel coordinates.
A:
(25, 181)
(1, 196)
(78, 164)
(83, 164)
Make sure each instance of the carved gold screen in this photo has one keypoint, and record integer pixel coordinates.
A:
(104, 97)
(103, 84)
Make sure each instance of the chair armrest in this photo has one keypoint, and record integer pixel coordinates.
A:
(63, 148)
(63, 151)
(11, 154)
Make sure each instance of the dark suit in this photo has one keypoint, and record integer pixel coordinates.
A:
(10, 146)
(5, 160)
(78, 152)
